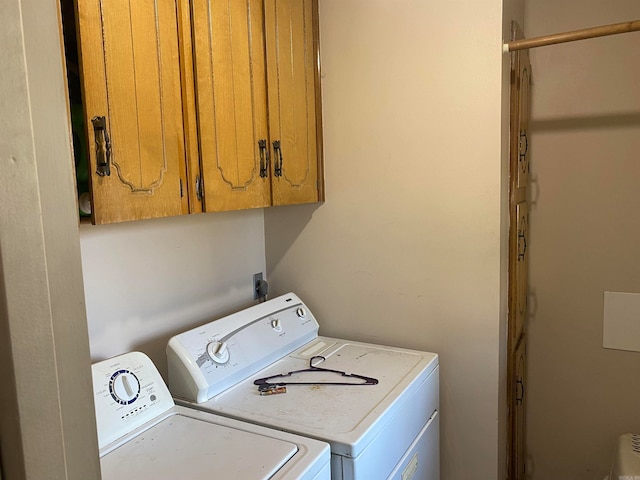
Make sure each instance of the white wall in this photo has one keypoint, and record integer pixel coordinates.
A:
(408, 249)
(585, 232)
(148, 280)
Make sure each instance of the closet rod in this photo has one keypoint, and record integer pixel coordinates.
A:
(583, 34)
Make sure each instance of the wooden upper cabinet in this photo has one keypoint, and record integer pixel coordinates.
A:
(200, 105)
(258, 94)
(133, 108)
(294, 100)
(229, 57)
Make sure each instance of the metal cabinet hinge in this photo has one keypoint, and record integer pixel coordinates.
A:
(199, 188)
(519, 392)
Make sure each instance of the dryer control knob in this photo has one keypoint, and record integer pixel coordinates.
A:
(276, 324)
(218, 352)
(301, 312)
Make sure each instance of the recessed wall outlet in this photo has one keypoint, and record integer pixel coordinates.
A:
(257, 278)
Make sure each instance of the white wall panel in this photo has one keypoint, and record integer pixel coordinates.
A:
(148, 280)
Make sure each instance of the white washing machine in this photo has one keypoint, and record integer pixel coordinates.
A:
(142, 434)
(376, 406)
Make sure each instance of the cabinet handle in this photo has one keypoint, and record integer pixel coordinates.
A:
(277, 152)
(103, 146)
(264, 158)
(519, 395)
(523, 144)
(199, 188)
(522, 253)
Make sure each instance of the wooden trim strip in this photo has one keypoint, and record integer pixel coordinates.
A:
(625, 27)
(318, 80)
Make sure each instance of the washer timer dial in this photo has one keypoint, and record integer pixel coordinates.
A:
(124, 387)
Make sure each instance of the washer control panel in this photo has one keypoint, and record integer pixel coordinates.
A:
(128, 392)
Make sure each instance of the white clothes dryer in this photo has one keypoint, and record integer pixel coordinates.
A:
(377, 406)
(142, 434)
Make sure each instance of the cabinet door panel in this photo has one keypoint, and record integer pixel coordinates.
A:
(131, 76)
(232, 108)
(519, 417)
(518, 256)
(524, 100)
(293, 113)
(522, 268)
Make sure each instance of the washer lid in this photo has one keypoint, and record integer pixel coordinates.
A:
(184, 447)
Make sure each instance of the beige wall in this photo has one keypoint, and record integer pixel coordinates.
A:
(585, 233)
(47, 424)
(408, 249)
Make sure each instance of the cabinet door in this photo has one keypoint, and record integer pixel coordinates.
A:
(231, 102)
(132, 100)
(521, 277)
(518, 256)
(518, 207)
(524, 95)
(294, 112)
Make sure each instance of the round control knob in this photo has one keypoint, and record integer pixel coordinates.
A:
(276, 324)
(124, 387)
(218, 352)
(301, 312)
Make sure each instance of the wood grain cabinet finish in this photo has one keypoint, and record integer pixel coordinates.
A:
(519, 410)
(258, 102)
(294, 100)
(518, 257)
(207, 105)
(229, 57)
(131, 81)
(521, 266)
(524, 101)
